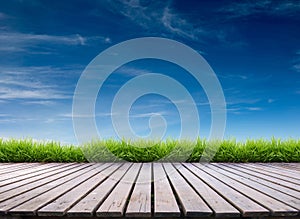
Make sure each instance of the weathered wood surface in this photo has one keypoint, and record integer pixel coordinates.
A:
(149, 190)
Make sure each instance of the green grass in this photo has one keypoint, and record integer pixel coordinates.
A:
(27, 150)
(259, 150)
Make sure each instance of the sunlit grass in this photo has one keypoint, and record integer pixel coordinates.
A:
(14, 150)
(252, 150)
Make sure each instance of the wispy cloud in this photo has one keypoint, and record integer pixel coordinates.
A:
(26, 42)
(45, 94)
(8, 81)
(71, 115)
(40, 102)
(248, 8)
(8, 118)
(132, 71)
(233, 76)
(271, 100)
(16, 37)
(297, 67)
(47, 70)
(241, 99)
(242, 110)
(177, 25)
(158, 16)
(38, 83)
(147, 115)
(296, 62)
(254, 108)
(3, 16)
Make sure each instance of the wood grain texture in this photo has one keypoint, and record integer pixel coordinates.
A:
(140, 201)
(165, 204)
(87, 206)
(272, 178)
(247, 207)
(219, 205)
(192, 204)
(114, 204)
(59, 206)
(149, 190)
(277, 208)
(19, 198)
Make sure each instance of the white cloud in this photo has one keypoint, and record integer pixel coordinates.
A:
(27, 42)
(177, 25)
(23, 83)
(107, 40)
(81, 39)
(146, 115)
(44, 94)
(40, 102)
(271, 100)
(17, 72)
(158, 16)
(234, 76)
(253, 108)
(296, 67)
(35, 82)
(248, 8)
(10, 48)
(241, 100)
(131, 71)
(242, 110)
(71, 115)
(17, 38)
(3, 16)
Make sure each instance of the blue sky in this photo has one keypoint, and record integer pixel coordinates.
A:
(252, 46)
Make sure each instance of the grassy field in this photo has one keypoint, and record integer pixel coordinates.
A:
(259, 150)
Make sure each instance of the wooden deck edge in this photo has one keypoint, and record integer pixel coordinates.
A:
(94, 217)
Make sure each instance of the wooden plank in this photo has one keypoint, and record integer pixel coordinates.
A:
(5, 195)
(285, 171)
(289, 200)
(283, 168)
(220, 206)
(192, 204)
(26, 173)
(274, 175)
(114, 204)
(294, 178)
(16, 182)
(61, 205)
(276, 207)
(20, 198)
(269, 178)
(290, 166)
(7, 165)
(165, 204)
(18, 168)
(247, 207)
(88, 205)
(248, 174)
(31, 206)
(140, 201)
(81, 190)
(12, 165)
